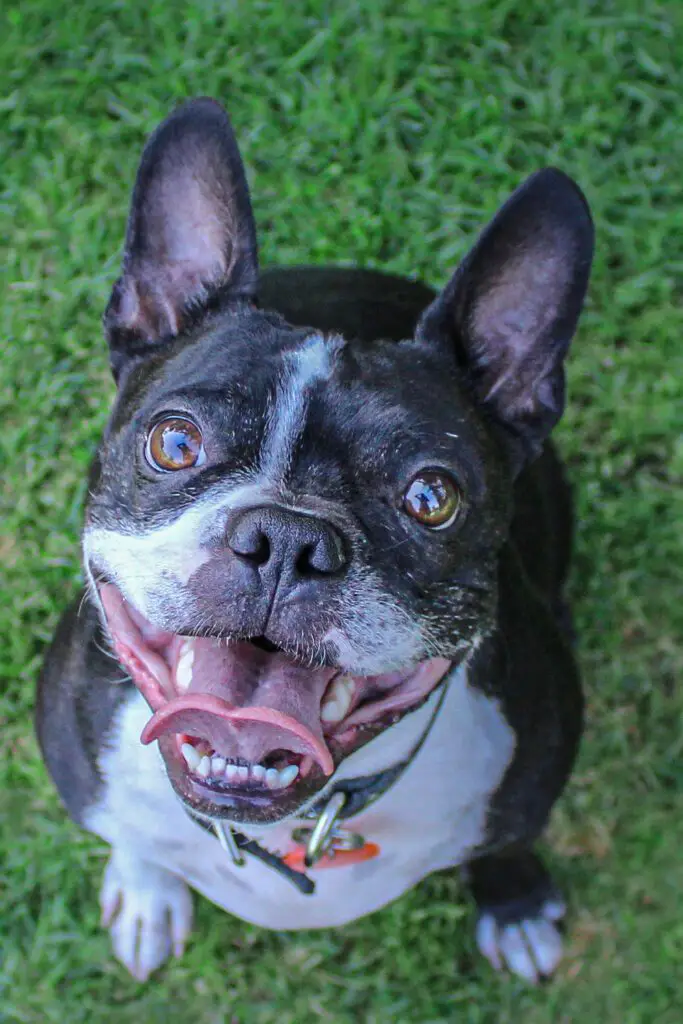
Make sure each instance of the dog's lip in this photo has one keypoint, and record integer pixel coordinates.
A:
(235, 804)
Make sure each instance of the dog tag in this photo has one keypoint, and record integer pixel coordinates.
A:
(344, 849)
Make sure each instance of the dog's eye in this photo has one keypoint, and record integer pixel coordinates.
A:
(175, 443)
(433, 499)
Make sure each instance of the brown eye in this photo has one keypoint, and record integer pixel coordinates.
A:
(175, 443)
(433, 499)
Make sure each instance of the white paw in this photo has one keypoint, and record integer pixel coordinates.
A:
(530, 948)
(148, 912)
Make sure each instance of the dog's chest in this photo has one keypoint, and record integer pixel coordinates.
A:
(431, 818)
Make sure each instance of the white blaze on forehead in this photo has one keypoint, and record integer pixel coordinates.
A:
(302, 368)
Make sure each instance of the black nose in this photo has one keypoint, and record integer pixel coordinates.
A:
(296, 544)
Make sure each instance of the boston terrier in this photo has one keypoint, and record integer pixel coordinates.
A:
(323, 648)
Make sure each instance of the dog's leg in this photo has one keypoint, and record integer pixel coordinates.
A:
(148, 911)
(519, 909)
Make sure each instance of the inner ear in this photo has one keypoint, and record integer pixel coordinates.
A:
(511, 308)
(190, 231)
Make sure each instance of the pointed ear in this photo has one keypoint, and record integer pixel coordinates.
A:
(511, 308)
(190, 232)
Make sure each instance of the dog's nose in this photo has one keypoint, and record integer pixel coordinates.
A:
(298, 545)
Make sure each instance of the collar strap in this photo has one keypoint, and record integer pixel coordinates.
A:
(359, 792)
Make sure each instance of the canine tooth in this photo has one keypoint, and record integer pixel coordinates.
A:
(217, 765)
(337, 701)
(242, 772)
(191, 756)
(273, 779)
(331, 711)
(183, 672)
(230, 771)
(204, 767)
(288, 774)
(258, 772)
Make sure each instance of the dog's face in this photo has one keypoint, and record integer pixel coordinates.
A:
(293, 537)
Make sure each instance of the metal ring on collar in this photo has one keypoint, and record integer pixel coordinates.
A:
(324, 826)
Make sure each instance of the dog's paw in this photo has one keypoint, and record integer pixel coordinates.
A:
(530, 947)
(148, 912)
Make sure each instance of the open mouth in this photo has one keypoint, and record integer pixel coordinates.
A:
(247, 731)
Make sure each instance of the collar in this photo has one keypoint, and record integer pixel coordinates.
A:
(340, 800)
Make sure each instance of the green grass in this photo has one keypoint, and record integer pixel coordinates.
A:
(379, 134)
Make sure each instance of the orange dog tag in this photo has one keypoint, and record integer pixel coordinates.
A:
(334, 859)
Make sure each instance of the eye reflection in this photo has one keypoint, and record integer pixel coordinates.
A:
(175, 443)
(432, 499)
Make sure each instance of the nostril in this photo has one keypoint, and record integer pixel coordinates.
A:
(304, 563)
(260, 554)
(322, 557)
(250, 542)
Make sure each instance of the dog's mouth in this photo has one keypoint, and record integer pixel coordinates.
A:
(247, 731)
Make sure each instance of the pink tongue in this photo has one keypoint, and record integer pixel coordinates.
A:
(247, 703)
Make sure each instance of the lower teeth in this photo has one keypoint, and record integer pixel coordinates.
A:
(219, 770)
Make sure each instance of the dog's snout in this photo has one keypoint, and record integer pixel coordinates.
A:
(298, 545)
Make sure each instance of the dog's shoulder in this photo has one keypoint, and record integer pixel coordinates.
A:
(527, 665)
(80, 690)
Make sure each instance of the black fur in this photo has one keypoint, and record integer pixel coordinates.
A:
(79, 691)
(512, 886)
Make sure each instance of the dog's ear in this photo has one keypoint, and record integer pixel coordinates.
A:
(512, 306)
(190, 232)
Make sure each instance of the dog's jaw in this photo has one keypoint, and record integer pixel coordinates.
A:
(248, 733)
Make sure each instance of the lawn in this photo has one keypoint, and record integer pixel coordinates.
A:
(379, 134)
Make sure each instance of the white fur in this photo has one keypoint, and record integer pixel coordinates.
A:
(431, 818)
(153, 567)
(378, 635)
(148, 909)
(302, 368)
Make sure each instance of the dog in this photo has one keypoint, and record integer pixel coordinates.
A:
(323, 649)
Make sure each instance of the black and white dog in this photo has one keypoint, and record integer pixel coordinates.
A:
(323, 646)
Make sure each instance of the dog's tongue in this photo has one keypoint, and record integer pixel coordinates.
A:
(247, 703)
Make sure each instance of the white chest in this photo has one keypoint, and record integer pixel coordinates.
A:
(430, 818)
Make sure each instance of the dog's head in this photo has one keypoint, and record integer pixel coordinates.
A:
(293, 536)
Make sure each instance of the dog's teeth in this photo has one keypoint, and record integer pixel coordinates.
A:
(191, 756)
(183, 672)
(216, 766)
(331, 711)
(337, 701)
(288, 774)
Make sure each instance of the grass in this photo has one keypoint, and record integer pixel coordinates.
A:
(378, 134)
